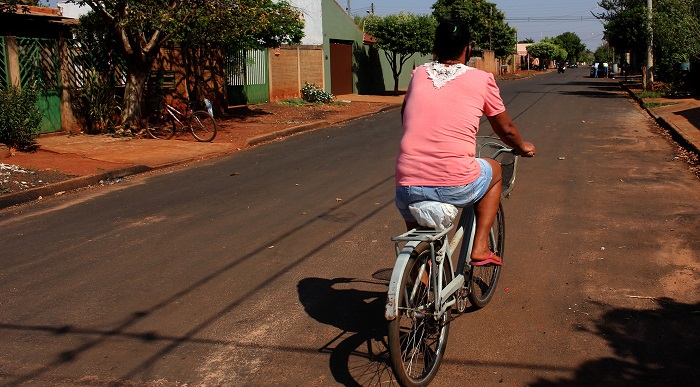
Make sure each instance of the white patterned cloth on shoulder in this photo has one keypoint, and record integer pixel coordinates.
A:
(441, 74)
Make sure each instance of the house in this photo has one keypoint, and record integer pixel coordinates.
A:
(334, 54)
(32, 47)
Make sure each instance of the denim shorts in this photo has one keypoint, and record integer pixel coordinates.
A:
(459, 196)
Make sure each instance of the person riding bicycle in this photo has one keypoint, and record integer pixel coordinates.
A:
(441, 111)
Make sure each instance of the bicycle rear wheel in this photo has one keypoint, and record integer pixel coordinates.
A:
(160, 127)
(485, 278)
(416, 339)
(203, 126)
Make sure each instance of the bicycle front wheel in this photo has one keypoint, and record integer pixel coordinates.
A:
(417, 339)
(203, 126)
(158, 126)
(485, 278)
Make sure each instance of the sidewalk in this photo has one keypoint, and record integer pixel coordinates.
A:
(95, 158)
(680, 115)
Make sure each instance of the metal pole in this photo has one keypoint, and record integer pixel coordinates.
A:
(650, 46)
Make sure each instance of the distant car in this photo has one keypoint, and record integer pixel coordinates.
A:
(573, 65)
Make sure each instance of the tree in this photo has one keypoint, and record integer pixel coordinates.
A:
(528, 40)
(676, 36)
(546, 50)
(604, 53)
(486, 22)
(570, 42)
(626, 25)
(142, 27)
(400, 36)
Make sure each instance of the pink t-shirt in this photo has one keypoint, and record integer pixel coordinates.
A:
(440, 125)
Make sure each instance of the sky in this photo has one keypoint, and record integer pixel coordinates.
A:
(560, 16)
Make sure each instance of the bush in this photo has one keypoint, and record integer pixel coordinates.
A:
(20, 118)
(311, 93)
(99, 105)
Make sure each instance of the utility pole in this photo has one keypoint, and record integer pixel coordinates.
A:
(348, 8)
(650, 47)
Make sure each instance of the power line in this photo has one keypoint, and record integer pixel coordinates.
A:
(549, 19)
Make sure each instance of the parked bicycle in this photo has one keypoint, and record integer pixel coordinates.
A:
(164, 123)
(425, 285)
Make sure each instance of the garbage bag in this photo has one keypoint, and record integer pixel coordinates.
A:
(435, 215)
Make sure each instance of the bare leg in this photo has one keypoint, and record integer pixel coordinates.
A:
(486, 210)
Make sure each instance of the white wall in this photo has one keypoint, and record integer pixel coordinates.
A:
(313, 26)
(73, 10)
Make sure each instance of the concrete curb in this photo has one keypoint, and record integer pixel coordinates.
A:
(678, 133)
(311, 126)
(71, 184)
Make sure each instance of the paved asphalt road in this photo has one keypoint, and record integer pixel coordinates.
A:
(269, 267)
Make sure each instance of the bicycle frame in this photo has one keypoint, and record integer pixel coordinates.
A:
(175, 114)
(414, 237)
(438, 259)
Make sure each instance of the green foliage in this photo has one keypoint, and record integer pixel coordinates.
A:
(140, 28)
(571, 43)
(487, 23)
(313, 94)
(97, 43)
(99, 104)
(546, 50)
(245, 24)
(626, 25)
(676, 37)
(400, 36)
(293, 102)
(20, 118)
(604, 53)
(650, 94)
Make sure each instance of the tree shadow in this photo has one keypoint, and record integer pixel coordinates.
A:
(692, 115)
(368, 69)
(659, 346)
(242, 113)
(359, 354)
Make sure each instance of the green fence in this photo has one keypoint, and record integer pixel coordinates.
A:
(247, 77)
(39, 64)
(4, 81)
(80, 65)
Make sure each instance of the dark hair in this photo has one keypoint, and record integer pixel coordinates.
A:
(451, 38)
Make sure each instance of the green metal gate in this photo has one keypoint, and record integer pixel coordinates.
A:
(247, 77)
(4, 81)
(39, 63)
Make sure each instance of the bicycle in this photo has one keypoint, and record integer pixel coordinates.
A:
(425, 285)
(163, 124)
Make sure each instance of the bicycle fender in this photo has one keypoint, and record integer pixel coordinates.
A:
(392, 305)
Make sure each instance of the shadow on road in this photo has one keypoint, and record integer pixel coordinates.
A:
(659, 346)
(594, 94)
(359, 355)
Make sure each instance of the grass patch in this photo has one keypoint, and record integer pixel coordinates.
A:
(650, 94)
(654, 105)
(293, 102)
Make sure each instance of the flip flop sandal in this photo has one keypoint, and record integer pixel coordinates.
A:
(489, 260)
